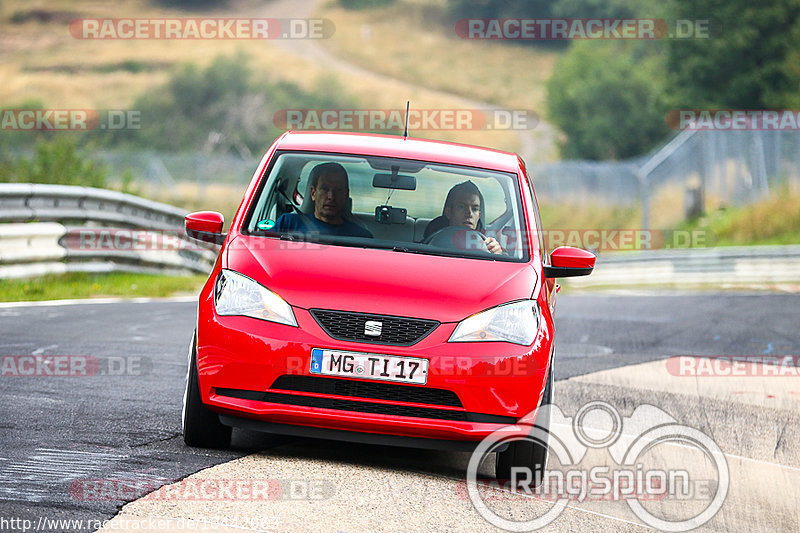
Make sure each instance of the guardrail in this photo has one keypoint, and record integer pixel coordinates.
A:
(735, 265)
(56, 228)
(47, 229)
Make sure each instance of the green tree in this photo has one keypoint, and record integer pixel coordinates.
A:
(608, 98)
(790, 99)
(749, 61)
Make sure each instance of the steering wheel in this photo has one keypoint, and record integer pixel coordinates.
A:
(458, 238)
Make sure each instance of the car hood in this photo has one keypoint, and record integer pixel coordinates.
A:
(384, 282)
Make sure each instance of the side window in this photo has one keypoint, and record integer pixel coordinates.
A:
(537, 222)
(495, 198)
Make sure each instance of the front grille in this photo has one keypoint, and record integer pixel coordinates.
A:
(395, 330)
(363, 389)
(365, 407)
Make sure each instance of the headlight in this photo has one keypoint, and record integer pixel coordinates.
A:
(516, 322)
(235, 294)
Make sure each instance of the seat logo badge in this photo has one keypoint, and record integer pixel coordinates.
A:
(372, 328)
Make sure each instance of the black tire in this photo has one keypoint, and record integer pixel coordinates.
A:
(201, 426)
(530, 453)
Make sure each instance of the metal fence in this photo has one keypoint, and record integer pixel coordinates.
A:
(693, 172)
(704, 170)
(164, 169)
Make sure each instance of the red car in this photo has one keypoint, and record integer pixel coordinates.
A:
(378, 289)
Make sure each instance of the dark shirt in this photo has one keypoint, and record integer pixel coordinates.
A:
(292, 222)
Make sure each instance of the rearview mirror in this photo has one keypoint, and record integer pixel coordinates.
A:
(395, 180)
(567, 262)
(205, 226)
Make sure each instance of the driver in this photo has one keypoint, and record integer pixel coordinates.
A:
(330, 191)
(463, 207)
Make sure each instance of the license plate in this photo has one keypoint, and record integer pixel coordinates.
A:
(369, 366)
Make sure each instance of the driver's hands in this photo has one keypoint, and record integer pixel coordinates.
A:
(493, 246)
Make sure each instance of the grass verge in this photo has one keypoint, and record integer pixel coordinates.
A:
(85, 285)
(773, 220)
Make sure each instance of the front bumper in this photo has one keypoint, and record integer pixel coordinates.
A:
(239, 360)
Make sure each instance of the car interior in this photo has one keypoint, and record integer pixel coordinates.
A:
(395, 206)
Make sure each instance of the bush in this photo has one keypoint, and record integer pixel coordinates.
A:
(219, 108)
(19, 140)
(59, 161)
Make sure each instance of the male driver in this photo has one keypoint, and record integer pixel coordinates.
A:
(330, 191)
(463, 207)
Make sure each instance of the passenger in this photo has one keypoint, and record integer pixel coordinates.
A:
(463, 207)
(330, 191)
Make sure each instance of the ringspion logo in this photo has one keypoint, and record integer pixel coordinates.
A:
(642, 467)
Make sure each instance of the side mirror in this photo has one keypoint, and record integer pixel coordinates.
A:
(567, 261)
(205, 226)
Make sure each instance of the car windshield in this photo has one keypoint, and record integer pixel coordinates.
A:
(398, 204)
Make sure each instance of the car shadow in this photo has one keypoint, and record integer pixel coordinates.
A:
(441, 463)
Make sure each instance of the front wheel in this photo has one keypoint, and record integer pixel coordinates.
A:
(201, 426)
(530, 454)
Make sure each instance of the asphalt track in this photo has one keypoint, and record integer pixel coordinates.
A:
(123, 422)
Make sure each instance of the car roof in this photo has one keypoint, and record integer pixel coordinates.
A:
(399, 147)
